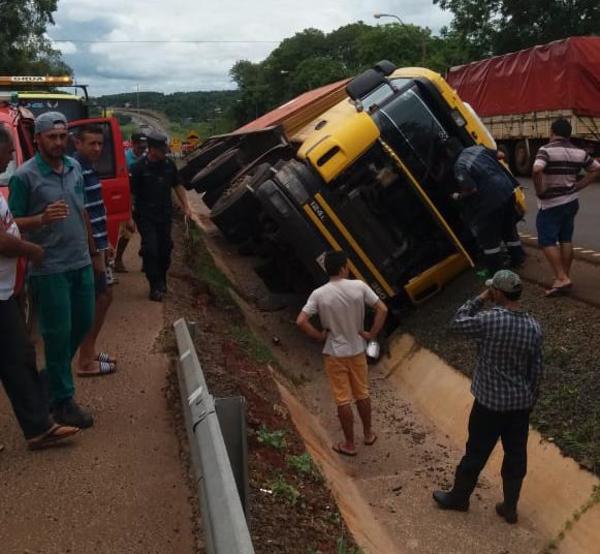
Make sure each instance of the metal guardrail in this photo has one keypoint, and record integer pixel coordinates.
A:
(223, 521)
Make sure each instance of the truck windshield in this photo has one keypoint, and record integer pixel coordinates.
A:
(72, 108)
(413, 130)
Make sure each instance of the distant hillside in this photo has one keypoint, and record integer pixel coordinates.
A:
(181, 107)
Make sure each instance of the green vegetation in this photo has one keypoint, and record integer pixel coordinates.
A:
(252, 345)
(274, 439)
(24, 48)
(283, 489)
(343, 548)
(304, 465)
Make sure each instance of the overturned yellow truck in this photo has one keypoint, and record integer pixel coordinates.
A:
(369, 174)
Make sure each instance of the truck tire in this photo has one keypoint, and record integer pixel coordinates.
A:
(235, 213)
(219, 171)
(523, 159)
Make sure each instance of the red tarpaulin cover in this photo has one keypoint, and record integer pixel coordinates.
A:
(564, 74)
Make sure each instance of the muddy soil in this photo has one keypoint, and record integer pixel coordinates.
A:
(291, 508)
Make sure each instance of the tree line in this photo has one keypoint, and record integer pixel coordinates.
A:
(311, 58)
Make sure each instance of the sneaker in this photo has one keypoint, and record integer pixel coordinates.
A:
(156, 295)
(72, 414)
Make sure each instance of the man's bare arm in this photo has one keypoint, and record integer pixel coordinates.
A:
(588, 178)
(303, 321)
(381, 312)
(13, 247)
(183, 200)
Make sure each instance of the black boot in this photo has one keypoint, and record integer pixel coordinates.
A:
(458, 498)
(508, 508)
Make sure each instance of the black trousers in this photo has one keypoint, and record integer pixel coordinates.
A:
(18, 373)
(497, 228)
(485, 428)
(156, 248)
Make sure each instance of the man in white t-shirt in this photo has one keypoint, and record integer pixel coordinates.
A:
(18, 371)
(340, 305)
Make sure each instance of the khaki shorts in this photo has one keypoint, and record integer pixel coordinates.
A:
(348, 378)
(124, 232)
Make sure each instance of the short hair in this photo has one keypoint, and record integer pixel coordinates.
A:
(561, 127)
(334, 261)
(5, 136)
(89, 129)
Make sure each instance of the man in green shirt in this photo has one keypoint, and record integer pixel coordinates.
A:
(46, 199)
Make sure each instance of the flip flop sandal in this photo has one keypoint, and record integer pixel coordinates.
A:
(104, 368)
(338, 448)
(372, 441)
(104, 357)
(558, 291)
(51, 437)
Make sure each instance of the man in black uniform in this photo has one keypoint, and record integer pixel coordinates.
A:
(152, 179)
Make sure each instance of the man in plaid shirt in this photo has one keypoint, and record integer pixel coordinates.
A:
(505, 386)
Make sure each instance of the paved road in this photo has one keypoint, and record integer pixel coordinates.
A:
(586, 229)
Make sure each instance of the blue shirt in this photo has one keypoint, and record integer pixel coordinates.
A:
(94, 203)
(131, 158)
(33, 186)
(477, 168)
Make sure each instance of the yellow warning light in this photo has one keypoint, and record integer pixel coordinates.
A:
(61, 80)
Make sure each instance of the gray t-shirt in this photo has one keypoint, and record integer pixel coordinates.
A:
(340, 305)
(35, 185)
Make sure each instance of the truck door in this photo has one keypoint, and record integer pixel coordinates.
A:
(112, 169)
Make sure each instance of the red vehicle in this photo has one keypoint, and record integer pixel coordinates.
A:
(111, 166)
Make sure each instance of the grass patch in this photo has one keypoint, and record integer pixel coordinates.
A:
(342, 547)
(252, 345)
(304, 465)
(283, 489)
(203, 267)
(274, 439)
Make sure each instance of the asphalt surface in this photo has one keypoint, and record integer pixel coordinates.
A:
(119, 487)
(586, 226)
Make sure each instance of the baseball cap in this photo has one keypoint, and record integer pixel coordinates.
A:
(138, 137)
(505, 281)
(156, 139)
(48, 121)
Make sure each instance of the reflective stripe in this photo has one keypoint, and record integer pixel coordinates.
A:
(514, 243)
(492, 251)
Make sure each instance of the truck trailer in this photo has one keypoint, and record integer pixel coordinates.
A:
(371, 175)
(518, 95)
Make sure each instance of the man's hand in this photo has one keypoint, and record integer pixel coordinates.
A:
(130, 226)
(485, 295)
(188, 212)
(36, 253)
(55, 212)
(367, 335)
(98, 263)
(323, 335)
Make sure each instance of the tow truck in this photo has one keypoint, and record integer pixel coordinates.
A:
(23, 97)
(368, 174)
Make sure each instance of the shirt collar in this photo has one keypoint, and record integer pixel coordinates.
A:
(45, 169)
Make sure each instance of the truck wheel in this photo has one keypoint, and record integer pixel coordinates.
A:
(217, 172)
(523, 159)
(235, 213)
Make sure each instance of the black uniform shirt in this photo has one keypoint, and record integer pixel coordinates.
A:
(151, 184)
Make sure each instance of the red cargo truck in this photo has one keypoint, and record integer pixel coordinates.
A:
(518, 95)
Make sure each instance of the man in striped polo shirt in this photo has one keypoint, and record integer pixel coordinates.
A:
(89, 140)
(556, 169)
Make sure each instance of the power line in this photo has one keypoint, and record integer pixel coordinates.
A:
(84, 41)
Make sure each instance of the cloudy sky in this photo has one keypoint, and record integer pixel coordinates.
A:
(122, 67)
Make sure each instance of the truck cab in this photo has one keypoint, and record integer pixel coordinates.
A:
(372, 175)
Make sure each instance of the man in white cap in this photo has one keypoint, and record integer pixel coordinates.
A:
(505, 385)
(47, 202)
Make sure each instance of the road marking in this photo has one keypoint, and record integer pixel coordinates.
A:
(578, 248)
(587, 251)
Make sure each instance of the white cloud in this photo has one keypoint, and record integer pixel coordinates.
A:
(171, 67)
